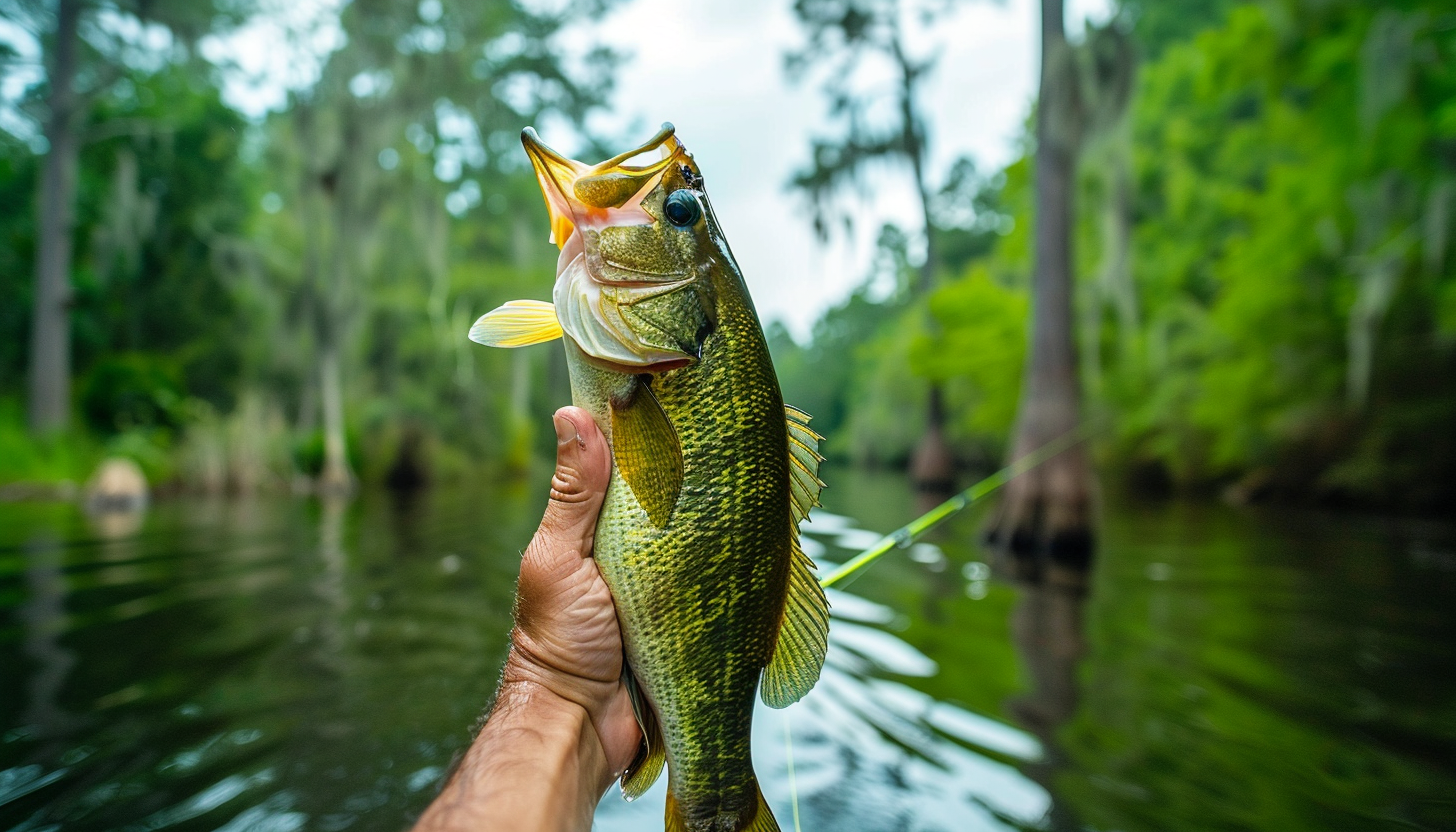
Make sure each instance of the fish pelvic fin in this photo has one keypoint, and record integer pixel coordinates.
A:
(803, 641)
(762, 819)
(646, 767)
(517, 323)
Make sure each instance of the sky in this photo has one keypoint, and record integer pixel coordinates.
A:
(715, 70)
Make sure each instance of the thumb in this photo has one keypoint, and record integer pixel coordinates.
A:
(583, 468)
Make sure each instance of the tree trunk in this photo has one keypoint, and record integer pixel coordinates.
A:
(1047, 511)
(335, 478)
(50, 341)
(932, 466)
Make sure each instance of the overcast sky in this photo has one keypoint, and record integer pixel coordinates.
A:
(715, 70)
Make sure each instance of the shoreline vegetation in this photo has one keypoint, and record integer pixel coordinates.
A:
(1263, 251)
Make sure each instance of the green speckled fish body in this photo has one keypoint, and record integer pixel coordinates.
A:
(700, 599)
(698, 534)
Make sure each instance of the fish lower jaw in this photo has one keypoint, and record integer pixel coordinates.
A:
(652, 368)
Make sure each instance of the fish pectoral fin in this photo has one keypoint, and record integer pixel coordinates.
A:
(517, 323)
(646, 767)
(804, 459)
(646, 449)
(803, 640)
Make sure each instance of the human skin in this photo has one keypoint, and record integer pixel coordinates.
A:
(562, 729)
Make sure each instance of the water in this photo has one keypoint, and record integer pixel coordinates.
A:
(284, 664)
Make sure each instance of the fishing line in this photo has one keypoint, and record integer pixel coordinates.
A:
(902, 537)
(905, 535)
(793, 786)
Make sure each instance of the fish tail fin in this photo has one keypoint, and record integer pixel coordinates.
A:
(762, 819)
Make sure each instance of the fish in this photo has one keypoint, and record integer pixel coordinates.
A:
(698, 538)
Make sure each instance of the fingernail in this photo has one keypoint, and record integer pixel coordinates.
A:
(569, 443)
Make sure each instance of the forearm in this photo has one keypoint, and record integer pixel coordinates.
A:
(536, 766)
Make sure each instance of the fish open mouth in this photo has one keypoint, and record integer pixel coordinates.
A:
(605, 194)
(629, 317)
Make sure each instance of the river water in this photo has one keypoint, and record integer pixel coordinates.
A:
(285, 664)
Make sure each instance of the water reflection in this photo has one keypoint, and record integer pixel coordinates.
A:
(1047, 629)
(329, 583)
(291, 664)
(42, 618)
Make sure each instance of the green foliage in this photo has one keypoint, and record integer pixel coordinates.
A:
(817, 378)
(1285, 317)
(308, 452)
(1158, 24)
(49, 459)
(17, 256)
(978, 349)
(1290, 253)
(1281, 314)
(133, 389)
(864, 373)
(213, 257)
(157, 190)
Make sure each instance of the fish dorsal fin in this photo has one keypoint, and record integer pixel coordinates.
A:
(646, 767)
(803, 639)
(517, 323)
(804, 459)
(648, 455)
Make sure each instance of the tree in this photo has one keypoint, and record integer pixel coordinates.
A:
(50, 343)
(1048, 509)
(71, 60)
(843, 36)
(430, 67)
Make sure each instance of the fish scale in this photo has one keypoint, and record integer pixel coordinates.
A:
(697, 537)
(700, 600)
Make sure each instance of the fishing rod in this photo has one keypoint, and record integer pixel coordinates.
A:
(902, 537)
(907, 534)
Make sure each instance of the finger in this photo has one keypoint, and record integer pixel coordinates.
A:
(583, 468)
(552, 560)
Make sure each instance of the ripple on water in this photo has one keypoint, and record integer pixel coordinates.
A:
(283, 665)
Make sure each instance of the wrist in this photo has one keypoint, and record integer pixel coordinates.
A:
(560, 730)
(527, 674)
(537, 764)
(532, 663)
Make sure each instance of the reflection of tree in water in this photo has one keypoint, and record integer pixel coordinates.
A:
(873, 752)
(1047, 629)
(329, 585)
(43, 617)
(938, 592)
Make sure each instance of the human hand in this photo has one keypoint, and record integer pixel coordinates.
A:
(566, 639)
(562, 728)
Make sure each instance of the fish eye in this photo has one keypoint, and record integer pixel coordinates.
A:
(681, 208)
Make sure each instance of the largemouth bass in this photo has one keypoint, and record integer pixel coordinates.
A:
(698, 535)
